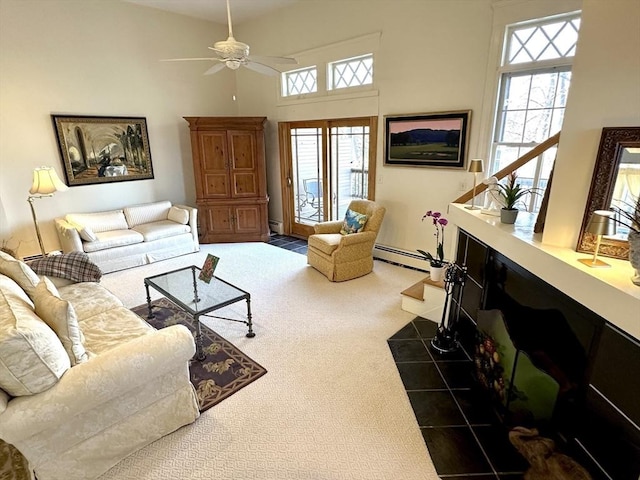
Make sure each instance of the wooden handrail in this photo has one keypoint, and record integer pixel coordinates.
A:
(516, 164)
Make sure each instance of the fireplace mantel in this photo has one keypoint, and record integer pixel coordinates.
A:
(608, 292)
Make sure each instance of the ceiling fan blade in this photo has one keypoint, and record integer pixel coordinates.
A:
(278, 60)
(186, 59)
(215, 68)
(262, 68)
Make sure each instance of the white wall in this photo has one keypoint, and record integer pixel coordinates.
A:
(98, 58)
(432, 57)
(605, 92)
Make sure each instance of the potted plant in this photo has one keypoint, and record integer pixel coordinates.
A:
(510, 194)
(436, 263)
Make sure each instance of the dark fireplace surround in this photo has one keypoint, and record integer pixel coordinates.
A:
(596, 411)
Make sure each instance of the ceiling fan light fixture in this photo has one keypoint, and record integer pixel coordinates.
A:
(232, 54)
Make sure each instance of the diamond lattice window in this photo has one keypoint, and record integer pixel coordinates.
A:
(537, 42)
(351, 72)
(535, 77)
(298, 82)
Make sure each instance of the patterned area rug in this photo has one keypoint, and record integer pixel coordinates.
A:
(225, 370)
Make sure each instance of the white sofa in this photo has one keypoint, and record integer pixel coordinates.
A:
(77, 400)
(131, 236)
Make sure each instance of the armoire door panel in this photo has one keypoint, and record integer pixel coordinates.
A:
(245, 184)
(248, 219)
(213, 151)
(243, 150)
(219, 219)
(216, 185)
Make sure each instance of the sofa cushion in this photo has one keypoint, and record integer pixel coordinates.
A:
(113, 238)
(61, 317)
(75, 266)
(178, 215)
(326, 242)
(147, 213)
(20, 272)
(113, 327)
(162, 229)
(89, 299)
(32, 358)
(99, 222)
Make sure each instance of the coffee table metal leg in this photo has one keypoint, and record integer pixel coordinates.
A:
(150, 315)
(199, 340)
(251, 333)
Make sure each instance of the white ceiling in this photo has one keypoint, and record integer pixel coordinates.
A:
(216, 10)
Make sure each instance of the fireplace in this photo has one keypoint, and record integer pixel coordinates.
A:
(548, 362)
(522, 388)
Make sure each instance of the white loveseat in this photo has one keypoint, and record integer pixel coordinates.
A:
(131, 236)
(77, 400)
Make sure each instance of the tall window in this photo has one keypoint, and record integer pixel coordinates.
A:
(534, 84)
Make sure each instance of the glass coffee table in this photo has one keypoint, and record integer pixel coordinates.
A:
(198, 298)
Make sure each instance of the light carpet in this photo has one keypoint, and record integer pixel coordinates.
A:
(331, 407)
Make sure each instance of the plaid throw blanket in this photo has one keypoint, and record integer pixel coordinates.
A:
(74, 266)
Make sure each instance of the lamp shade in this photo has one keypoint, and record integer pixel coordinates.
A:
(476, 165)
(46, 182)
(602, 223)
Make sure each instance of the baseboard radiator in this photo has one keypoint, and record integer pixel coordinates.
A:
(276, 227)
(400, 257)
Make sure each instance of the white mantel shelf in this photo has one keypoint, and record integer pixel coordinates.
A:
(608, 292)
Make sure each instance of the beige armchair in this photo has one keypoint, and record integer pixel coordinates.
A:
(343, 257)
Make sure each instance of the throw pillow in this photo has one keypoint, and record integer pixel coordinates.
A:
(85, 232)
(19, 272)
(178, 215)
(61, 317)
(75, 266)
(354, 222)
(32, 358)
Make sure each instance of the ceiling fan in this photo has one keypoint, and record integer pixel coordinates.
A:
(233, 54)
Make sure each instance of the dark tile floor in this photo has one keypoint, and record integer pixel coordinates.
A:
(463, 434)
(289, 243)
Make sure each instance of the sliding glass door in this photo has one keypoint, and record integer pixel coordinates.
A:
(325, 164)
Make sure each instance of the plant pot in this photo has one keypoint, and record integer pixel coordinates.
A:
(634, 255)
(508, 216)
(436, 273)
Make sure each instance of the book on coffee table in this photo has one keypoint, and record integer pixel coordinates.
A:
(209, 266)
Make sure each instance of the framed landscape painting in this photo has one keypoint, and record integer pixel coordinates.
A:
(103, 149)
(427, 140)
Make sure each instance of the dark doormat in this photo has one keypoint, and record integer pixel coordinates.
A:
(225, 370)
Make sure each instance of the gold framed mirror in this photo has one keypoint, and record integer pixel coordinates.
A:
(616, 176)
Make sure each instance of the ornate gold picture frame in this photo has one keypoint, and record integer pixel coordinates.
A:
(103, 149)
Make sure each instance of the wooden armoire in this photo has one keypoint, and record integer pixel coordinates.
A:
(230, 174)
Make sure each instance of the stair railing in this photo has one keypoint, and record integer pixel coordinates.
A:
(516, 164)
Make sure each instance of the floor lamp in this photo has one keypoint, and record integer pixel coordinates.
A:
(600, 223)
(45, 184)
(476, 166)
